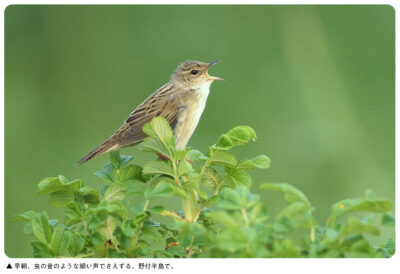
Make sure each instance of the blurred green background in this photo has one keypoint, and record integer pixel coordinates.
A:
(315, 82)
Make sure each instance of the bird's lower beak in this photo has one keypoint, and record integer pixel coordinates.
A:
(214, 78)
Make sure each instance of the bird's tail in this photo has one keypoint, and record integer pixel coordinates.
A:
(107, 146)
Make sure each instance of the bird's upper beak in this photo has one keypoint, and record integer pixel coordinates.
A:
(213, 78)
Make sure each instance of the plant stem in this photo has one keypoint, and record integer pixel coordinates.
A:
(138, 230)
(110, 234)
(246, 220)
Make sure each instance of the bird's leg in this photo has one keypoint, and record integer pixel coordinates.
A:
(163, 157)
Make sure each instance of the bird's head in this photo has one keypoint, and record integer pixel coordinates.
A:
(194, 73)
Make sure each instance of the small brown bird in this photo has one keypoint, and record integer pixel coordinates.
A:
(181, 102)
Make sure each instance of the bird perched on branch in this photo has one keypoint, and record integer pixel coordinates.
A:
(181, 102)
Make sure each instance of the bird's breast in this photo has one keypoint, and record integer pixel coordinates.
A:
(189, 115)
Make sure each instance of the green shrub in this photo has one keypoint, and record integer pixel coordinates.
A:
(220, 216)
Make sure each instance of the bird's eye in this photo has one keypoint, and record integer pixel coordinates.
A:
(194, 72)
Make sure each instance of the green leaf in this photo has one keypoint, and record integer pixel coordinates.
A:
(41, 250)
(292, 194)
(195, 155)
(180, 153)
(61, 198)
(115, 192)
(134, 188)
(76, 244)
(131, 173)
(160, 129)
(60, 240)
(222, 158)
(236, 199)
(106, 208)
(260, 161)
(128, 228)
(124, 160)
(387, 219)
(359, 204)
(354, 226)
(53, 184)
(114, 159)
(160, 190)
(89, 194)
(160, 139)
(238, 177)
(151, 233)
(27, 216)
(151, 144)
(223, 143)
(28, 229)
(184, 168)
(40, 224)
(156, 209)
(237, 136)
(108, 173)
(223, 218)
(158, 167)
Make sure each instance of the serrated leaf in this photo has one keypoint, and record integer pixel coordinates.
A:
(76, 244)
(222, 158)
(160, 137)
(236, 199)
(239, 177)
(89, 194)
(115, 192)
(354, 226)
(106, 208)
(195, 155)
(128, 228)
(60, 240)
(237, 136)
(41, 250)
(292, 194)
(360, 204)
(134, 188)
(260, 161)
(39, 224)
(180, 153)
(108, 173)
(130, 173)
(160, 190)
(151, 233)
(224, 218)
(53, 184)
(158, 167)
(61, 198)
(184, 168)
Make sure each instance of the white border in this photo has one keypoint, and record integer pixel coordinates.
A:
(210, 265)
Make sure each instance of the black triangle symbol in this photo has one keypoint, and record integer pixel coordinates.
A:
(9, 266)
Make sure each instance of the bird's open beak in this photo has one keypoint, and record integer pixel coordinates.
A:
(213, 78)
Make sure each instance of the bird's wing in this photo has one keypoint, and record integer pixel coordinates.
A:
(163, 102)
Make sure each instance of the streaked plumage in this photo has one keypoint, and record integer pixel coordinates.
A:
(181, 102)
